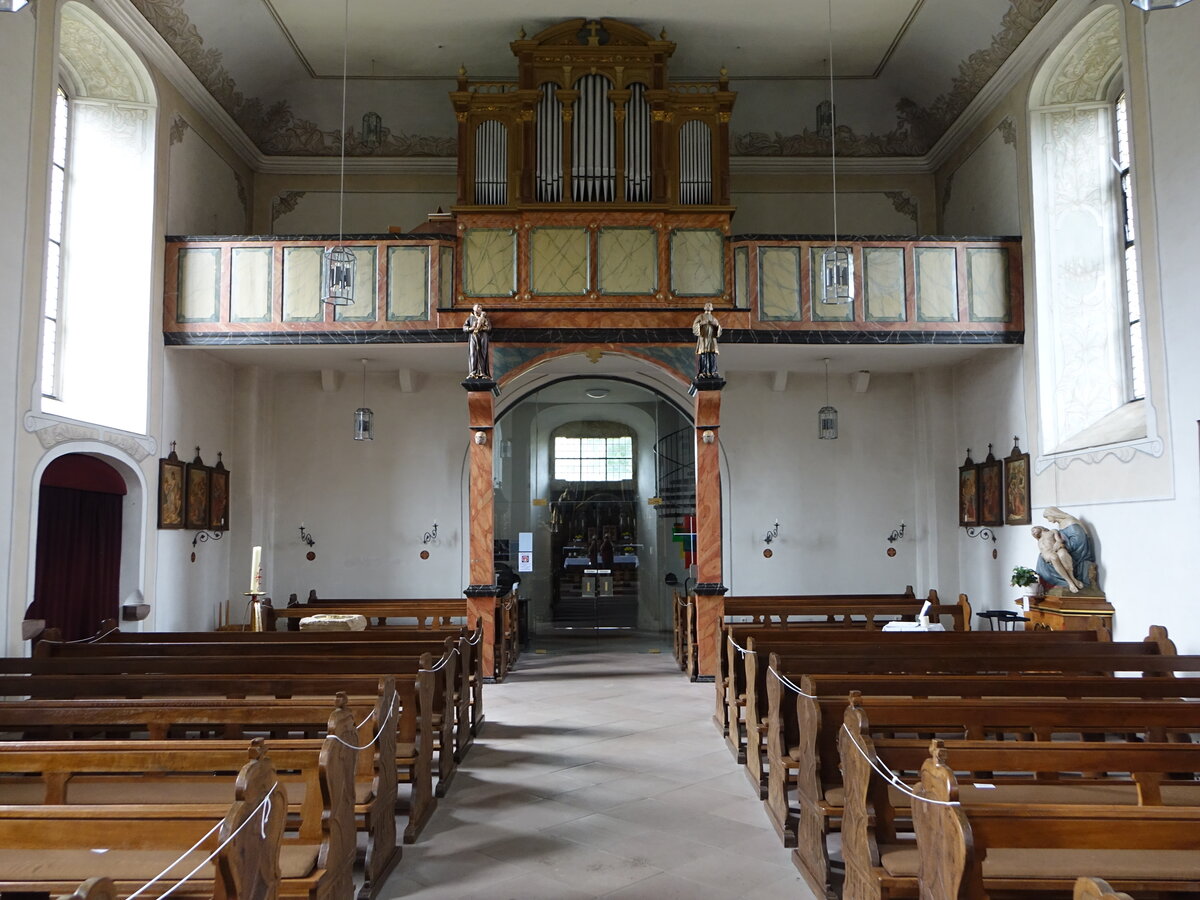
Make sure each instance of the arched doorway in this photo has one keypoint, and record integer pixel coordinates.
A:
(77, 574)
(594, 481)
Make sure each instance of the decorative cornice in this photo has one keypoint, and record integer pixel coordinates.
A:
(1008, 131)
(52, 431)
(284, 204)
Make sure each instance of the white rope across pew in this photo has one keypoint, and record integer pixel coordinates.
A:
(891, 777)
(740, 649)
(87, 640)
(265, 806)
(392, 707)
(791, 684)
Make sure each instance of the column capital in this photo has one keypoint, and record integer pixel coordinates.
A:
(710, 589)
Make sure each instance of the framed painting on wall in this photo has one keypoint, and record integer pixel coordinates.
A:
(198, 482)
(991, 482)
(218, 497)
(968, 492)
(171, 491)
(1016, 487)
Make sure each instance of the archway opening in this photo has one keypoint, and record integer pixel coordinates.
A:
(594, 505)
(77, 575)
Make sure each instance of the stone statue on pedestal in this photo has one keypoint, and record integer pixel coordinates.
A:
(479, 328)
(1066, 557)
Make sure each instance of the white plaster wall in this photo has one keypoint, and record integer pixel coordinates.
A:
(197, 396)
(983, 191)
(202, 190)
(859, 212)
(368, 504)
(836, 501)
(16, 71)
(365, 212)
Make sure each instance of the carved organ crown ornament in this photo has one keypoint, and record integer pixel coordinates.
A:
(593, 118)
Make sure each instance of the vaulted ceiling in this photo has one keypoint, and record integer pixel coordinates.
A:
(905, 69)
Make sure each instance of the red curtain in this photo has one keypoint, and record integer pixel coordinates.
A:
(77, 583)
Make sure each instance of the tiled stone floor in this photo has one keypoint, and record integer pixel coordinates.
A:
(598, 774)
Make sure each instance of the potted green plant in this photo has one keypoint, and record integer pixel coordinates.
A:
(1027, 580)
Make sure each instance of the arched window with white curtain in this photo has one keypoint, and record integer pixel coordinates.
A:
(96, 322)
(1090, 356)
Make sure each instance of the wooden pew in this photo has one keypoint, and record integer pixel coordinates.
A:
(50, 849)
(317, 775)
(471, 675)
(743, 693)
(971, 849)
(429, 613)
(876, 813)
(440, 709)
(819, 783)
(414, 737)
(914, 652)
(461, 674)
(84, 731)
(1096, 889)
(94, 889)
(822, 613)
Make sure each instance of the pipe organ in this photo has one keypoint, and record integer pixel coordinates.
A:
(592, 118)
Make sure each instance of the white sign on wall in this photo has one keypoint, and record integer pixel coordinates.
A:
(525, 551)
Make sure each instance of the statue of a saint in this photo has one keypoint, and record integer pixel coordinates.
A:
(707, 329)
(1066, 557)
(479, 327)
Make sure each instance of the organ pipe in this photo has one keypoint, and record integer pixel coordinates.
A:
(593, 147)
(695, 163)
(548, 181)
(637, 146)
(491, 163)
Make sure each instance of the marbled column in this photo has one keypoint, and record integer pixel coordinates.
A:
(481, 595)
(710, 602)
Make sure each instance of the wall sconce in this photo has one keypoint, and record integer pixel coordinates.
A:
(897, 534)
(772, 533)
(306, 536)
(430, 536)
(707, 436)
(982, 534)
(206, 536)
(135, 608)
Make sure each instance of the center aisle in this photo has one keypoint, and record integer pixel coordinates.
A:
(598, 775)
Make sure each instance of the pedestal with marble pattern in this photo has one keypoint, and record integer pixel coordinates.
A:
(709, 590)
(481, 594)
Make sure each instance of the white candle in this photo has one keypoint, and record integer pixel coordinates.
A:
(256, 571)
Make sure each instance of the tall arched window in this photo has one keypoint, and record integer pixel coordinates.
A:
(1091, 381)
(96, 341)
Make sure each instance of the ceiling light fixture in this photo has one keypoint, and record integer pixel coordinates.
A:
(337, 262)
(837, 261)
(827, 416)
(364, 419)
(597, 393)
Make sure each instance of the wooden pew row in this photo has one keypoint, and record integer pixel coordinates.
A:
(679, 628)
(741, 695)
(50, 849)
(439, 711)
(428, 614)
(414, 738)
(91, 725)
(789, 749)
(969, 849)
(461, 674)
(818, 781)
(835, 610)
(880, 859)
(319, 848)
(1003, 652)
(469, 667)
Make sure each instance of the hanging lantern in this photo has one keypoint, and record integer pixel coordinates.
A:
(837, 275)
(372, 130)
(364, 419)
(364, 424)
(827, 416)
(337, 276)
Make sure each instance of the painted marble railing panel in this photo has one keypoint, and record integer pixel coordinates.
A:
(627, 260)
(903, 288)
(270, 285)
